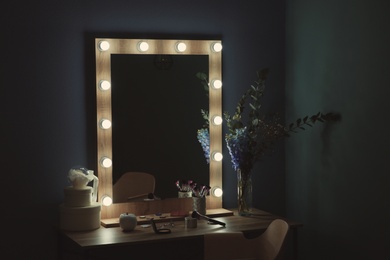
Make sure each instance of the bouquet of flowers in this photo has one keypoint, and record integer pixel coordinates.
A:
(252, 136)
(248, 141)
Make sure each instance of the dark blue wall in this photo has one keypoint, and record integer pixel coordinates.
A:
(48, 92)
(337, 178)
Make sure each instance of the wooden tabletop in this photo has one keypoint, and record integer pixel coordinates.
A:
(114, 236)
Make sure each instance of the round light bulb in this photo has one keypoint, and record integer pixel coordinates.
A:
(181, 47)
(216, 191)
(106, 200)
(217, 84)
(104, 45)
(143, 46)
(217, 120)
(105, 124)
(104, 85)
(217, 156)
(106, 162)
(217, 47)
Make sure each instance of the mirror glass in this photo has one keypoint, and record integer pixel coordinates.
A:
(144, 107)
(156, 104)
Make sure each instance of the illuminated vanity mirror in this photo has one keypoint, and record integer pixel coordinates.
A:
(112, 58)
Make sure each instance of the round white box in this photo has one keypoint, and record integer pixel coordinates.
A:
(78, 197)
(80, 218)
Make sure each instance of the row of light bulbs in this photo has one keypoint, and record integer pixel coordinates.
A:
(143, 46)
(105, 124)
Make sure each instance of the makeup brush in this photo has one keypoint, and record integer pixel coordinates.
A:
(196, 214)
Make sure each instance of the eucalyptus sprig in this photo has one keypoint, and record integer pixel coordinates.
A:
(250, 138)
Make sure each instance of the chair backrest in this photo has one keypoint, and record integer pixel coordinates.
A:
(234, 245)
(272, 240)
(132, 185)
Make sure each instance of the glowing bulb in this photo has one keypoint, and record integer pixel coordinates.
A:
(217, 47)
(217, 156)
(217, 84)
(106, 162)
(105, 124)
(217, 120)
(106, 200)
(104, 45)
(181, 47)
(216, 191)
(104, 85)
(143, 46)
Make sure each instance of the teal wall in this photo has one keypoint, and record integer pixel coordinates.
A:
(338, 175)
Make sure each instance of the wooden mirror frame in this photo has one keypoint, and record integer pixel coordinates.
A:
(103, 111)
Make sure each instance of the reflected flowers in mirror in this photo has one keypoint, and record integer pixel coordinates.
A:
(204, 140)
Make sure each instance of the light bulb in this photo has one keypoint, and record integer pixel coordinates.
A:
(216, 191)
(217, 120)
(217, 84)
(143, 46)
(106, 162)
(104, 85)
(105, 124)
(104, 45)
(216, 47)
(181, 47)
(106, 200)
(217, 156)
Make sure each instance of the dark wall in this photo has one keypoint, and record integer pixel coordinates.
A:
(48, 94)
(337, 178)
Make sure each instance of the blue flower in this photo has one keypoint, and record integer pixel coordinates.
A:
(239, 144)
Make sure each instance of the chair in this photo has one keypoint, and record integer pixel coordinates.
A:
(133, 186)
(234, 245)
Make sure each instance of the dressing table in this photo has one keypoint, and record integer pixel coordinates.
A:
(181, 243)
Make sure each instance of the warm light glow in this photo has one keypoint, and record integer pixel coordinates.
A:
(217, 156)
(106, 200)
(217, 84)
(105, 124)
(216, 191)
(217, 47)
(217, 120)
(105, 111)
(181, 47)
(104, 85)
(106, 162)
(104, 45)
(143, 46)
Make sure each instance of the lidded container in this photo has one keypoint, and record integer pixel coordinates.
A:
(80, 210)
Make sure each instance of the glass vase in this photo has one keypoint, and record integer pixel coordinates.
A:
(244, 190)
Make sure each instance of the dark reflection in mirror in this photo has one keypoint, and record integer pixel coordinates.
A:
(156, 103)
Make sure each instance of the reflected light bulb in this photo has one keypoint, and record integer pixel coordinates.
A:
(104, 85)
(106, 162)
(217, 47)
(105, 124)
(106, 200)
(217, 84)
(217, 156)
(104, 45)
